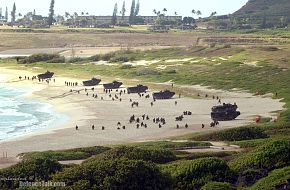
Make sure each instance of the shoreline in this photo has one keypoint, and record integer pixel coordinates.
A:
(84, 111)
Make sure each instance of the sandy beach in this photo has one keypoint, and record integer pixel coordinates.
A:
(84, 110)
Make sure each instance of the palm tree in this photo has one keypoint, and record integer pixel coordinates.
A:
(164, 11)
(198, 13)
(154, 11)
(175, 13)
(213, 14)
(193, 12)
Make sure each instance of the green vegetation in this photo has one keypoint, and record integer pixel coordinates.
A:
(114, 174)
(269, 156)
(236, 134)
(196, 155)
(35, 169)
(50, 58)
(264, 13)
(217, 186)
(146, 154)
(276, 179)
(171, 145)
(72, 154)
(194, 174)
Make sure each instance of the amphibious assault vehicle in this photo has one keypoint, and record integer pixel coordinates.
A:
(92, 82)
(137, 89)
(225, 112)
(46, 75)
(113, 85)
(163, 94)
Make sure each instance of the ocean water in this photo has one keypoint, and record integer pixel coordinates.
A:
(20, 116)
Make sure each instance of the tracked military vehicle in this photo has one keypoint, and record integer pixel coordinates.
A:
(92, 82)
(113, 85)
(163, 94)
(46, 75)
(225, 112)
(137, 89)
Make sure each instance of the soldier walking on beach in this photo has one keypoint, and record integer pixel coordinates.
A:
(77, 127)
(93, 127)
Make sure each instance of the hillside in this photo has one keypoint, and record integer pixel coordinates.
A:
(266, 12)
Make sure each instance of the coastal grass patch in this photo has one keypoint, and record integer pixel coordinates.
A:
(227, 155)
(171, 145)
(235, 134)
(218, 186)
(62, 155)
(156, 155)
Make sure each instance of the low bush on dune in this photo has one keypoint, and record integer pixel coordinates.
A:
(32, 170)
(171, 144)
(71, 154)
(194, 174)
(277, 179)
(143, 72)
(272, 155)
(256, 164)
(197, 155)
(95, 58)
(121, 174)
(147, 154)
(76, 60)
(235, 134)
(42, 57)
(218, 186)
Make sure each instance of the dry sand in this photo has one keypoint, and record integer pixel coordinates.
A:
(85, 110)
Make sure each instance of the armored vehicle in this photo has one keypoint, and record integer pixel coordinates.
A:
(163, 94)
(137, 89)
(225, 112)
(46, 75)
(113, 85)
(92, 82)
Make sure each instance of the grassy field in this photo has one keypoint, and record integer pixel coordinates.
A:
(60, 37)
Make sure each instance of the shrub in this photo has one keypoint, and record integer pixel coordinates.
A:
(277, 179)
(95, 58)
(154, 155)
(71, 154)
(197, 155)
(76, 60)
(121, 174)
(39, 169)
(121, 59)
(235, 134)
(171, 71)
(126, 66)
(57, 60)
(143, 72)
(107, 57)
(39, 57)
(195, 173)
(272, 155)
(217, 186)
(250, 176)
